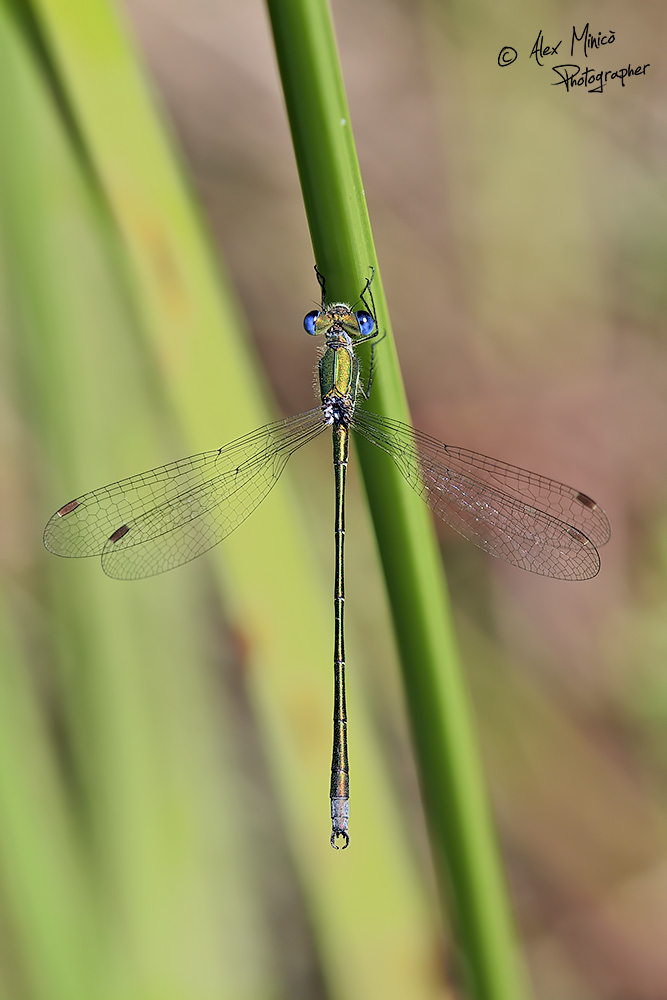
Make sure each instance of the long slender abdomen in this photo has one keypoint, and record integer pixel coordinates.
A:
(340, 776)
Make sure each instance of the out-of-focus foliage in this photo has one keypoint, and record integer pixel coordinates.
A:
(521, 232)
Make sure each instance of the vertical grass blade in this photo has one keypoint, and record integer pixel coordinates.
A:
(461, 832)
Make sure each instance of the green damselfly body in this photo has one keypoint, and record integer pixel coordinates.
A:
(157, 520)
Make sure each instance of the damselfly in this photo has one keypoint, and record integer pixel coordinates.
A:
(157, 520)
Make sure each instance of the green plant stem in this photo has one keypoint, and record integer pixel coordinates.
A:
(461, 831)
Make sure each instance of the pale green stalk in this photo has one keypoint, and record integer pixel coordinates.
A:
(462, 836)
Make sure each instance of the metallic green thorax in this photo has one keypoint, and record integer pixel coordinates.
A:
(338, 370)
(339, 373)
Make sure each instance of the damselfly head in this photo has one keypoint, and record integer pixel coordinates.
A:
(338, 317)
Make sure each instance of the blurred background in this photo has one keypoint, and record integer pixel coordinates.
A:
(147, 845)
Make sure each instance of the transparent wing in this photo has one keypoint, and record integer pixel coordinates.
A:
(532, 522)
(157, 520)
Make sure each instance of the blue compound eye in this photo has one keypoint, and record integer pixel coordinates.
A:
(309, 322)
(366, 323)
